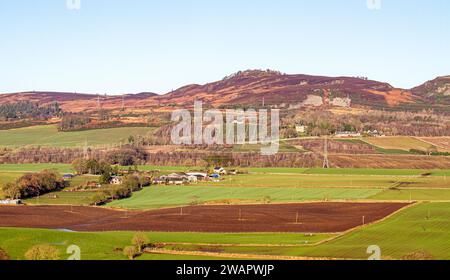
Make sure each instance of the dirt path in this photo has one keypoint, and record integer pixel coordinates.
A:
(234, 256)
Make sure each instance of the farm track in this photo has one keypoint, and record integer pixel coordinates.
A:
(235, 256)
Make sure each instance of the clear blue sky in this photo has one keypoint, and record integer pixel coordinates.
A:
(124, 46)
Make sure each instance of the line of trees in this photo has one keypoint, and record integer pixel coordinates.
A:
(34, 184)
(27, 109)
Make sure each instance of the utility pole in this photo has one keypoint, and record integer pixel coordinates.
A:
(326, 162)
(98, 103)
(123, 103)
(85, 150)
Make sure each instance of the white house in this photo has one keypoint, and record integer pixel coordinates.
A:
(301, 128)
(10, 202)
(347, 134)
(199, 175)
(115, 180)
(220, 170)
(192, 179)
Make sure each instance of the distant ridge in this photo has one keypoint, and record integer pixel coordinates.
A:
(251, 87)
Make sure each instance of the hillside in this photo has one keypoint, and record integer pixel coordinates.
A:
(436, 91)
(256, 87)
(78, 102)
(274, 88)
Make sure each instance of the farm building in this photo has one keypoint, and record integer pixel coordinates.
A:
(68, 176)
(220, 170)
(347, 134)
(160, 180)
(215, 177)
(10, 202)
(301, 128)
(177, 179)
(93, 185)
(374, 133)
(199, 175)
(115, 180)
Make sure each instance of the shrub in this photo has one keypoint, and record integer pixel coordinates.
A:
(3, 255)
(419, 256)
(140, 240)
(42, 252)
(130, 252)
(132, 183)
(120, 192)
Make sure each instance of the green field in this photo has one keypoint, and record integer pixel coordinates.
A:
(414, 195)
(63, 198)
(287, 180)
(22, 168)
(170, 196)
(6, 177)
(351, 171)
(66, 168)
(423, 227)
(48, 135)
(274, 185)
(107, 245)
(403, 143)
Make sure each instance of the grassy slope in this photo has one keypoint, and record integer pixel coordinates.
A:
(101, 246)
(398, 143)
(414, 194)
(48, 135)
(63, 198)
(422, 227)
(169, 196)
(327, 181)
(66, 168)
(22, 168)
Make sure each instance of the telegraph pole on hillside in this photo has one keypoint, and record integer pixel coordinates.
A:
(326, 162)
(98, 103)
(85, 150)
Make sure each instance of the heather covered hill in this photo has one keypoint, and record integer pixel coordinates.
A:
(252, 86)
(257, 87)
(80, 102)
(436, 91)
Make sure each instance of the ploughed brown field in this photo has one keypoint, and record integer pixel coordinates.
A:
(312, 217)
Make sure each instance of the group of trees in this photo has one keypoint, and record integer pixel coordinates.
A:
(28, 110)
(126, 156)
(70, 122)
(94, 167)
(34, 184)
(130, 183)
(324, 122)
(140, 241)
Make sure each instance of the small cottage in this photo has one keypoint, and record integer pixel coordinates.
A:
(116, 180)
